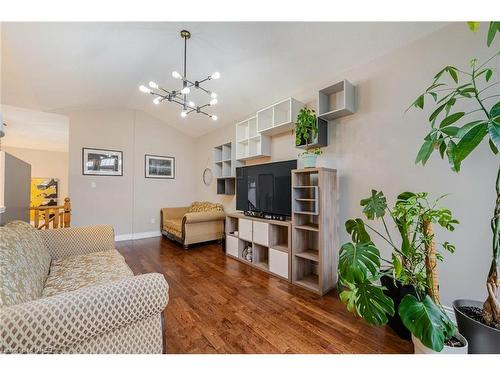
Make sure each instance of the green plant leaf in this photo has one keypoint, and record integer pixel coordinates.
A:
(470, 141)
(492, 31)
(494, 132)
(450, 130)
(419, 102)
(375, 205)
(356, 228)
(398, 266)
(454, 164)
(493, 148)
(425, 151)
(489, 73)
(436, 112)
(358, 262)
(369, 302)
(495, 110)
(451, 119)
(465, 128)
(473, 26)
(453, 73)
(426, 321)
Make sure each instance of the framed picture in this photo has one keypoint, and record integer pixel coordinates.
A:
(159, 166)
(98, 162)
(44, 192)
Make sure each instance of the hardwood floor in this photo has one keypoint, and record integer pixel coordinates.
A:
(219, 305)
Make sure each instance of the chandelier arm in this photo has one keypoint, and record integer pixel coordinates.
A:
(201, 88)
(204, 80)
(205, 113)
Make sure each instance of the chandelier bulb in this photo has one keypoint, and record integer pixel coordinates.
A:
(192, 104)
(153, 85)
(183, 114)
(216, 75)
(157, 100)
(176, 75)
(185, 90)
(214, 117)
(213, 101)
(213, 95)
(144, 89)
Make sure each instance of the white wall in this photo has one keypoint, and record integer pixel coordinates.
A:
(129, 202)
(44, 163)
(376, 148)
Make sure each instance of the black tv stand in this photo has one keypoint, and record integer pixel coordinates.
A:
(263, 215)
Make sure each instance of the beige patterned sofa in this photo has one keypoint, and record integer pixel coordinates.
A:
(69, 291)
(200, 222)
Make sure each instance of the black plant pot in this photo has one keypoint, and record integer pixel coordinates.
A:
(396, 292)
(482, 339)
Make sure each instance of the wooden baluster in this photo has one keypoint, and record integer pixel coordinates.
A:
(37, 218)
(67, 213)
(55, 223)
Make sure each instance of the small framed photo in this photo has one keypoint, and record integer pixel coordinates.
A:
(98, 162)
(159, 166)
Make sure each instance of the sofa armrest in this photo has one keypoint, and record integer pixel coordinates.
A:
(51, 324)
(200, 217)
(64, 242)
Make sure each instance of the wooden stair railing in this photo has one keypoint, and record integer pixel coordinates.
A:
(46, 217)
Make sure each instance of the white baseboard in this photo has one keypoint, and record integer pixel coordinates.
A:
(137, 236)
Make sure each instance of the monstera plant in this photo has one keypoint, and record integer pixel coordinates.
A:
(412, 261)
(456, 132)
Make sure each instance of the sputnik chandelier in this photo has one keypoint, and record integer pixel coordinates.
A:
(181, 96)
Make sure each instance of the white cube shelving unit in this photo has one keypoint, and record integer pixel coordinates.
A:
(250, 143)
(337, 100)
(225, 164)
(279, 117)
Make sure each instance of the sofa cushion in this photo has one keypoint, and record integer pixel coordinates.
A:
(79, 271)
(205, 207)
(24, 263)
(173, 226)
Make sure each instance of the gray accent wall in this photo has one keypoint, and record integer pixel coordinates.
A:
(16, 190)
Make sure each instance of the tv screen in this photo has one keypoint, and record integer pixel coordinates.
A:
(265, 188)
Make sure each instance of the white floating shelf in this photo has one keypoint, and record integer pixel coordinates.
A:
(249, 143)
(278, 118)
(225, 164)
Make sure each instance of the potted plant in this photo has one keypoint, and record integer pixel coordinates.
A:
(455, 136)
(412, 263)
(310, 131)
(309, 157)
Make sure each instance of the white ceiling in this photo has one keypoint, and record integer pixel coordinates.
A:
(34, 129)
(61, 66)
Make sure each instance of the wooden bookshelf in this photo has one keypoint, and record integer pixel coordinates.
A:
(314, 228)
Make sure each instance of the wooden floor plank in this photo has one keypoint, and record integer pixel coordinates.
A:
(220, 305)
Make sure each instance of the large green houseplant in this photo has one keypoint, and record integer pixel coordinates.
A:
(306, 128)
(455, 133)
(412, 262)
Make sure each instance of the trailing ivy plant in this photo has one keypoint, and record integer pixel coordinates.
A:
(455, 133)
(306, 129)
(412, 262)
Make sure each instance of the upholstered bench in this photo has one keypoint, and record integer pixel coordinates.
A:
(69, 291)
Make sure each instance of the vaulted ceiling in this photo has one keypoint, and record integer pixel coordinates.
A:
(62, 66)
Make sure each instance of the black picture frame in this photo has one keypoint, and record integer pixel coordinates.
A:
(104, 172)
(147, 170)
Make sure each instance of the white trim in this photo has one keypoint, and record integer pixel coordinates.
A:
(137, 236)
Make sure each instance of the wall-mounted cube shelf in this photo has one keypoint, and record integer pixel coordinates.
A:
(278, 118)
(225, 164)
(249, 143)
(336, 101)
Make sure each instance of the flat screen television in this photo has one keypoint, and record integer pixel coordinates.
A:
(265, 188)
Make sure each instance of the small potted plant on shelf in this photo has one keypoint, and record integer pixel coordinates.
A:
(306, 128)
(412, 263)
(455, 135)
(309, 157)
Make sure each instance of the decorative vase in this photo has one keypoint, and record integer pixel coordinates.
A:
(422, 349)
(482, 338)
(309, 160)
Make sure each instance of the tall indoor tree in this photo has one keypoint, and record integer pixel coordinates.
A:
(455, 137)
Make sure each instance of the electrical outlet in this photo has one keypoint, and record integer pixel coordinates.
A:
(153, 220)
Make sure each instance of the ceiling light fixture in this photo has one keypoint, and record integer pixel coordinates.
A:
(180, 96)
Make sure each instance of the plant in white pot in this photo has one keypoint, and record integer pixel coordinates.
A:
(412, 262)
(310, 156)
(467, 111)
